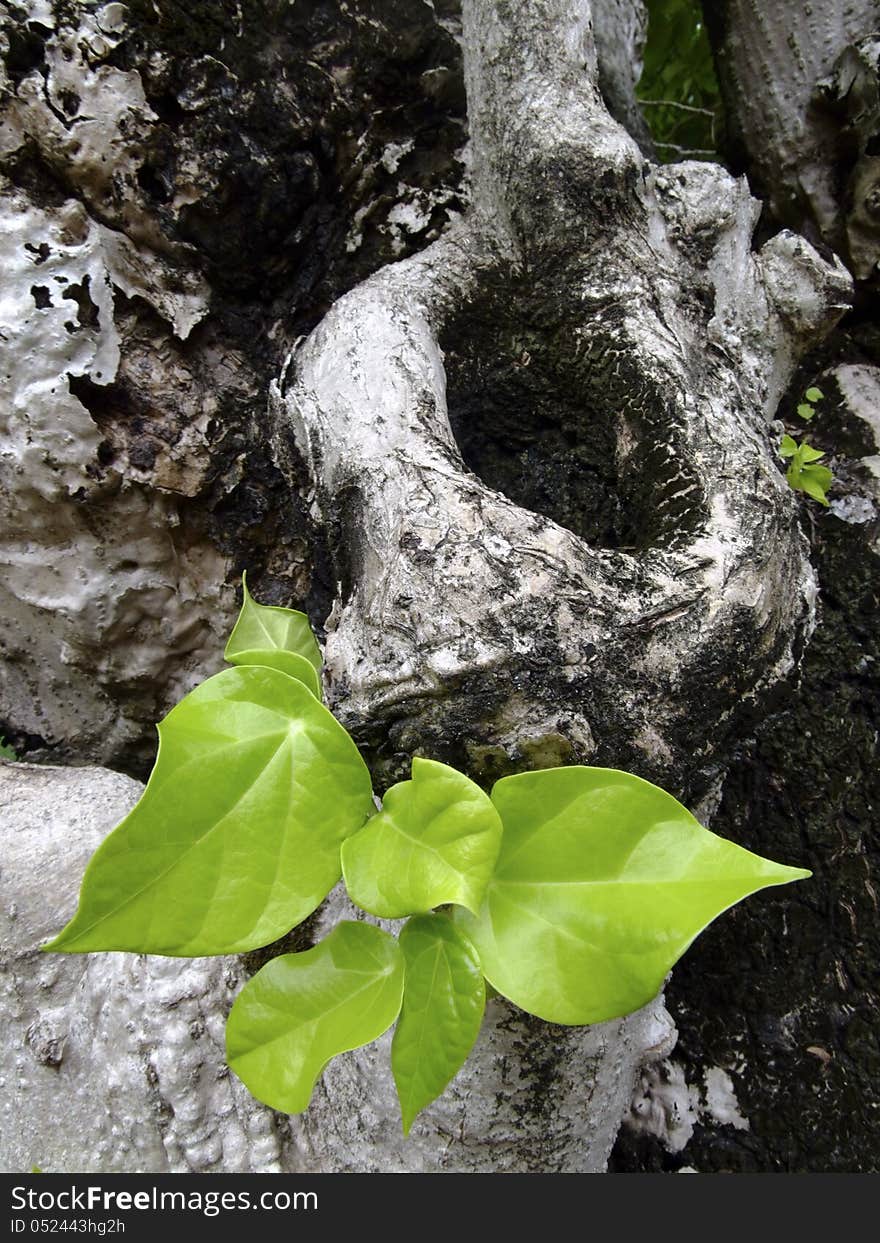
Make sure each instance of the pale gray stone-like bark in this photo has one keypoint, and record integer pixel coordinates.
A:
(468, 622)
(620, 27)
(178, 193)
(115, 1062)
(108, 1062)
(800, 86)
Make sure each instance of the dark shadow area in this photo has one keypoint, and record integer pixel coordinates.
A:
(554, 413)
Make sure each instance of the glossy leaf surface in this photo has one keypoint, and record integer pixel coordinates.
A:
(265, 627)
(237, 835)
(300, 1010)
(291, 663)
(602, 883)
(444, 997)
(435, 840)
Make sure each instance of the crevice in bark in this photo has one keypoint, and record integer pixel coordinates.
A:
(556, 415)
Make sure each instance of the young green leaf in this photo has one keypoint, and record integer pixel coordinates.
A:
(443, 1001)
(291, 663)
(435, 840)
(806, 411)
(806, 453)
(814, 480)
(6, 752)
(237, 835)
(787, 447)
(265, 627)
(300, 1010)
(814, 394)
(602, 883)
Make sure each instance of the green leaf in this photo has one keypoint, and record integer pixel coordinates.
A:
(6, 752)
(787, 447)
(814, 394)
(435, 841)
(443, 1002)
(602, 883)
(263, 627)
(806, 411)
(807, 453)
(237, 835)
(815, 480)
(291, 663)
(300, 1010)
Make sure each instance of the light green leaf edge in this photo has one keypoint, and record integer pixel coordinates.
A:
(806, 453)
(444, 997)
(602, 978)
(291, 663)
(267, 627)
(301, 1010)
(279, 834)
(435, 841)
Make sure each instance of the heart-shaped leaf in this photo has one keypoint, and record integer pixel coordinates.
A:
(435, 840)
(237, 835)
(266, 628)
(443, 1002)
(300, 1010)
(602, 883)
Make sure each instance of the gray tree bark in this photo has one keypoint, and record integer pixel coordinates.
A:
(526, 473)
(776, 1064)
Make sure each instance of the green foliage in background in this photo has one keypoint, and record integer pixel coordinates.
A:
(678, 89)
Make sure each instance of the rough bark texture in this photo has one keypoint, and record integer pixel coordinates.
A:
(113, 1062)
(612, 592)
(530, 467)
(182, 196)
(778, 1009)
(776, 1067)
(800, 86)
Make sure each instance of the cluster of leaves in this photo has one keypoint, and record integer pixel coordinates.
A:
(678, 89)
(572, 890)
(803, 473)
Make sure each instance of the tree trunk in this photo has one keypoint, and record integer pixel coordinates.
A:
(776, 1066)
(526, 473)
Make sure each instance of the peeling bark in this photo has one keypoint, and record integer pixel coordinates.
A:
(181, 197)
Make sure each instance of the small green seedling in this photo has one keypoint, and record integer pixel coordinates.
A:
(569, 891)
(6, 752)
(803, 473)
(807, 408)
